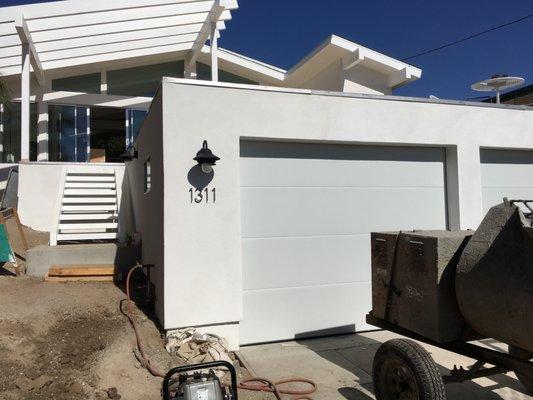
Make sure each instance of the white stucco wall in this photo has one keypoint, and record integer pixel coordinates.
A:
(146, 209)
(39, 185)
(203, 273)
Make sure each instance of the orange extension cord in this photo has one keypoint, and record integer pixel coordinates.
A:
(153, 370)
(251, 384)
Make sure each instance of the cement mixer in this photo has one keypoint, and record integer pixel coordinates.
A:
(451, 289)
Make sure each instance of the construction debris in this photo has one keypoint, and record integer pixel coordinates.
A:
(193, 347)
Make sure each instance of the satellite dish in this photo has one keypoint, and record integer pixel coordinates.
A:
(497, 83)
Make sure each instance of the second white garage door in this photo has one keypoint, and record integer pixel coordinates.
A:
(506, 173)
(307, 211)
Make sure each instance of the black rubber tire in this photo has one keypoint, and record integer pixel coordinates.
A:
(425, 383)
(527, 381)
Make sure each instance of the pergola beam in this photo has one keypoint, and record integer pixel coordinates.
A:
(26, 39)
(120, 37)
(98, 58)
(214, 15)
(116, 47)
(399, 77)
(97, 18)
(123, 26)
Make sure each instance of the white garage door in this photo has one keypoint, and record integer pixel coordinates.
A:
(506, 173)
(307, 211)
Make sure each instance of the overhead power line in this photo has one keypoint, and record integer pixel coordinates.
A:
(468, 37)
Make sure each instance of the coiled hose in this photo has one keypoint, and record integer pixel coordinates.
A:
(251, 384)
(265, 385)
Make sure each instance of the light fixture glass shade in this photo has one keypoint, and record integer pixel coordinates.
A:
(207, 168)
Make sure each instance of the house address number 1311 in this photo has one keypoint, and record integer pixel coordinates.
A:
(206, 195)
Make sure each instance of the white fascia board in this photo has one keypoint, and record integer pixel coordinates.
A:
(59, 8)
(25, 37)
(370, 54)
(9, 40)
(116, 47)
(12, 61)
(7, 28)
(99, 58)
(255, 66)
(120, 37)
(98, 18)
(8, 52)
(352, 59)
(125, 26)
(356, 55)
(10, 70)
(402, 77)
(214, 15)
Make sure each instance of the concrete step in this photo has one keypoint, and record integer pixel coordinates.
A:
(41, 258)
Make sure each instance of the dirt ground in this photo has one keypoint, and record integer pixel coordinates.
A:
(71, 341)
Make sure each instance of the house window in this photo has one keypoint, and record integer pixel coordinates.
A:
(147, 175)
(142, 81)
(10, 127)
(134, 120)
(84, 84)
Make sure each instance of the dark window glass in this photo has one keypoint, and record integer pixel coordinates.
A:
(83, 83)
(203, 72)
(10, 137)
(142, 81)
(67, 133)
(137, 117)
(108, 133)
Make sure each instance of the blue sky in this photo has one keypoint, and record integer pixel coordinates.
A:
(281, 32)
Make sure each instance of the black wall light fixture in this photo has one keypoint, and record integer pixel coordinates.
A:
(130, 154)
(206, 159)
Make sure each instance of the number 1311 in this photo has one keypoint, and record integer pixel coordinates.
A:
(203, 196)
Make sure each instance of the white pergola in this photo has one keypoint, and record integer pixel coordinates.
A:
(47, 36)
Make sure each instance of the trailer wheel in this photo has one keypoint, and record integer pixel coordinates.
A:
(525, 380)
(404, 370)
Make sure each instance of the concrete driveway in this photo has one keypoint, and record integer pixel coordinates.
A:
(342, 366)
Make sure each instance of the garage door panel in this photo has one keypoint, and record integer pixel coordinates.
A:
(284, 172)
(494, 196)
(305, 261)
(506, 173)
(275, 212)
(307, 212)
(333, 151)
(267, 313)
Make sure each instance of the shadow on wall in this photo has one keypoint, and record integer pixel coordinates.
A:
(128, 219)
(4, 174)
(199, 179)
(355, 353)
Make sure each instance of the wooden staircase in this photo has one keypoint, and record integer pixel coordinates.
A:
(88, 207)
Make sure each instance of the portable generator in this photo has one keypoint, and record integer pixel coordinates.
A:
(193, 383)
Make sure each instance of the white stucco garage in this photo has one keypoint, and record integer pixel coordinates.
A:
(506, 173)
(303, 177)
(307, 211)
